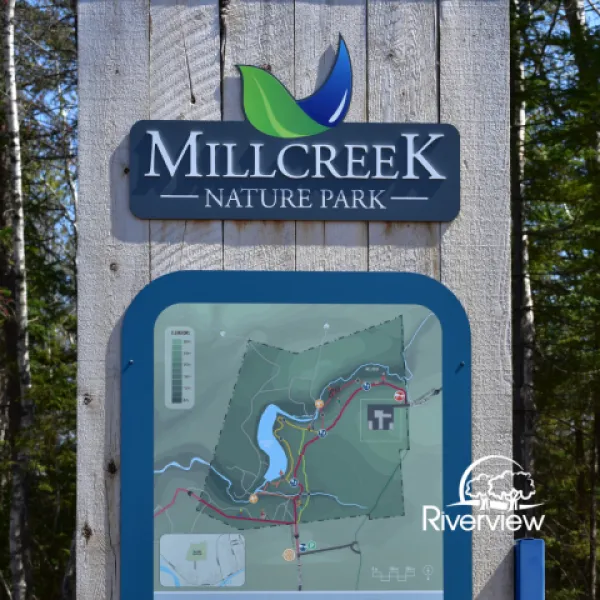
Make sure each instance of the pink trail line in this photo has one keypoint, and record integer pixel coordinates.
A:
(339, 416)
(238, 518)
(388, 385)
(342, 388)
(234, 517)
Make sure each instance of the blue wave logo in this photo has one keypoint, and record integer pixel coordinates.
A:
(271, 108)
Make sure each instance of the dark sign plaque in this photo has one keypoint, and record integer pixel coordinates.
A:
(353, 172)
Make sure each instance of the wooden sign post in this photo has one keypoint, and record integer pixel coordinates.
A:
(428, 61)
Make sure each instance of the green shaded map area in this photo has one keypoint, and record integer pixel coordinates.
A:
(351, 471)
(313, 440)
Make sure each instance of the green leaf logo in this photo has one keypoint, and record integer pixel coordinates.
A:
(271, 109)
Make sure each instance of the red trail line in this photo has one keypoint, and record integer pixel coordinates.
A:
(339, 416)
(302, 454)
(342, 388)
(295, 528)
(388, 385)
(327, 429)
(234, 517)
(294, 522)
(335, 421)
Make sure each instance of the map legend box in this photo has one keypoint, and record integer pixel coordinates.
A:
(179, 368)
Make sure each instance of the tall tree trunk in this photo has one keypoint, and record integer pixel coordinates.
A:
(588, 81)
(593, 571)
(22, 418)
(578, 29)
(9, 381)
(9, 385)
(67, 149)
(523, 322)
(68, 584)
(581, 476)
(575, 13)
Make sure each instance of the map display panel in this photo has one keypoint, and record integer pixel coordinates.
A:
(294, 448)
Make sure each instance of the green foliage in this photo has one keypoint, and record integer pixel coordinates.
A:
(46, 72)
(561, 204)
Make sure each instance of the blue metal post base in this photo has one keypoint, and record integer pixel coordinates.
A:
(529, 570)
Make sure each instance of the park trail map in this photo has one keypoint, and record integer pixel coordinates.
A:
(294, 447)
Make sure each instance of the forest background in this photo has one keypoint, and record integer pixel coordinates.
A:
(555, 171)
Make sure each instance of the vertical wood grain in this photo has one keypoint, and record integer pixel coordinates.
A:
(331, 246)
(476, 246)
(402, 88)
(112, 261)
(260, 33)
(160, 59)
(185, 83)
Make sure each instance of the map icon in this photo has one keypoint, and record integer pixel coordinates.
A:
(195, 560)
(289, 555)
(400, 396)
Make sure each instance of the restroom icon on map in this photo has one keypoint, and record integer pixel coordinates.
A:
(380, 417)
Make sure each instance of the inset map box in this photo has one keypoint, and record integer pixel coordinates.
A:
(200, 560)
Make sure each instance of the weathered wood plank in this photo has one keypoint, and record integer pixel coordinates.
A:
(112, 267)
(475, 247)
(257, 33)
(331, 246)
(403, 87)
(133, 65)
(185, 83)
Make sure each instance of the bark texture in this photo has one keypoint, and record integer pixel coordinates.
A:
(21, 415)
(523, 315)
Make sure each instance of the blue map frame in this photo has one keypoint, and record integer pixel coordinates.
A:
(137, 393)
